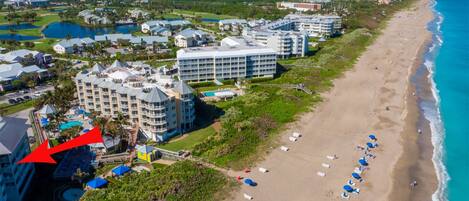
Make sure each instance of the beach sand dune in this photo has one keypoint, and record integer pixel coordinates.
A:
(366, 100)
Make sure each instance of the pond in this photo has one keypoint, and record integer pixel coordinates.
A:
(17, 26)
(62, 29)
(210, 20)
(17, 37)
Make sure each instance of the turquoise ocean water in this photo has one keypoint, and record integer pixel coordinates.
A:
(448, 63)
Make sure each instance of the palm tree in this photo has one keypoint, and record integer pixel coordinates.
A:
(79, 176)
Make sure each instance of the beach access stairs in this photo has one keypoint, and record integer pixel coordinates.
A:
(299, 87)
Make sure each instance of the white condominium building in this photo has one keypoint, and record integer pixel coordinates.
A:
(285, 43)
(15, 179)
(234, 58)
(316, 25)
(161, 106)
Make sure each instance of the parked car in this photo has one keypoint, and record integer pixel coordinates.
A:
(27, 97)
(12, 101)
(19, 100)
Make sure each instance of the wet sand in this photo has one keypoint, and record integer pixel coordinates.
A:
(373, 97)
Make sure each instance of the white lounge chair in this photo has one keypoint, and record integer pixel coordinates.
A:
(284, 148)
(344, 195)
(357, 191)
(293, 139)
(247, 197)
(321, 174)
(263, 170)
(326, 165)
(331, 157)
(297, 135)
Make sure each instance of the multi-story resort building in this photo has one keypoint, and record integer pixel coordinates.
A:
(15, 179)
(285, 43)
(316, 25)
(234, 58)
(161, 106)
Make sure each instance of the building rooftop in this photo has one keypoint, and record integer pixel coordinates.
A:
(14, 70)
(75, 41)
(11, 132)
(191, 32)
(136, 79)
(230, 46)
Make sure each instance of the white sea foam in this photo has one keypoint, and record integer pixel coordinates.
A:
(432, 112)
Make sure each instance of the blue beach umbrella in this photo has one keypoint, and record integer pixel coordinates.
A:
(356, 176)
(348, 188)
(372, 137)
(370, 145)
(363, 162)
(250, 182)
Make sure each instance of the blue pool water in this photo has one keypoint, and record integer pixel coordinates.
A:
(70, 124)
(448, 63)
(209, 94)
(62, 29)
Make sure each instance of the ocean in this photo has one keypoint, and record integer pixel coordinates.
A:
(447, 61)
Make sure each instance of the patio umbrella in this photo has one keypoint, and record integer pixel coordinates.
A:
(356, 176)
(348, 188)
(96, 183)
(363, 162)
(372, 137)
(370, 145)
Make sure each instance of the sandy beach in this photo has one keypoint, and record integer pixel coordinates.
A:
(373, 97)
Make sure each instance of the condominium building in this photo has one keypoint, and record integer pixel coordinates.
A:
(299, 6)
(316, 25)
(285, 43)
(15, 179)
(234, 58)
(161, 106)
(191, 38)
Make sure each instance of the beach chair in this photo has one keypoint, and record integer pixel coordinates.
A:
(297, 135)
(344, 195)
(350, 182)
(357, 191)
(326, 165)
(247, 197)
(293, 139)
(321, 174)
(284, 148)
(263, 170)
(331, 157)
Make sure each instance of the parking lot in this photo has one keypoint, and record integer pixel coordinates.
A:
(31, 93)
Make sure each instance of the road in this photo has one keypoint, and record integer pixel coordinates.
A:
(14, 95)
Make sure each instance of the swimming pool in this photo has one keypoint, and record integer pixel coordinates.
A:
(221, 93)
(65, 126)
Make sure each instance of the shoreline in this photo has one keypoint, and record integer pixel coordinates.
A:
(415, 163)
(372, 97)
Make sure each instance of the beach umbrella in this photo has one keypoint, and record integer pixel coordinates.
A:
(372, 137)
(370, 145)
(363, 162)
(249, 182)
(348, 188)
(356, 176)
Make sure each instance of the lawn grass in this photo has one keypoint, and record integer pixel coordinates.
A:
(189, 140)
(11, 109)
(202, 14)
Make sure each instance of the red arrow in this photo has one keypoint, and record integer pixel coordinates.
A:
(42, 154)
